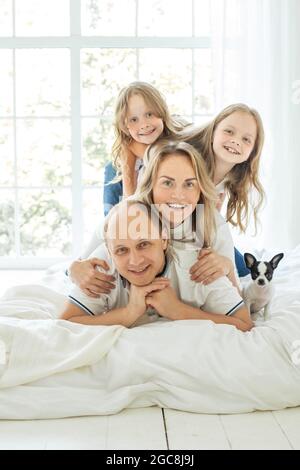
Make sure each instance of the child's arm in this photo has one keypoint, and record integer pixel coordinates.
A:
(129, 177)
(129, 156)
(137, 148)
(221, 199)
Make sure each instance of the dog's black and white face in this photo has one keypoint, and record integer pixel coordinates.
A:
(262, 271)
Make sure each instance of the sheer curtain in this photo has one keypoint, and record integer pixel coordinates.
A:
(256, 49)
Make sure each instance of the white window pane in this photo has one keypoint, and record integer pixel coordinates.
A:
(104, 72)
(170, 70)
(108, 18)
(6, 153)
(204, 86)
(202, 17)
(42, 18)
(165, 18)
(6, 23)
(45, 222)
(232, 83)
(92, 210)
(46, 92)
(200, 120)
(43, 152)
(6, 83)
(7, 215)
(97, 138)
(233, 18)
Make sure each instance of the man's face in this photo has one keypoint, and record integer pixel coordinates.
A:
(135, 245)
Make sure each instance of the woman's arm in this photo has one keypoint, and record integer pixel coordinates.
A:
(211, 266)
(85, 275)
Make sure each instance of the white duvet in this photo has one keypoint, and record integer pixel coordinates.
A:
(51, 368)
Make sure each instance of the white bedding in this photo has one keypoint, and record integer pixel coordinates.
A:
(56, 369)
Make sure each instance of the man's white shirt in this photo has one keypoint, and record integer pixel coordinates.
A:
(219, 297)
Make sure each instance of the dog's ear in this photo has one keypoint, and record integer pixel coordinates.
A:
(276, 259)
(249, 260)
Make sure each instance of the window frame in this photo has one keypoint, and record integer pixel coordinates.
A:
(75, 43)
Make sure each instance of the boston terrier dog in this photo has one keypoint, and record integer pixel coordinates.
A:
(259, 292)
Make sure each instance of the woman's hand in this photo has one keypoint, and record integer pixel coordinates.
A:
(210, 266)
(165, 302)
(87, 277)
(137, 304)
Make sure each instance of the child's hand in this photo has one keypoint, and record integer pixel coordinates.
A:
(91, 281)
(137, 148)
(129, 176)
(221, 199)
(127, 157)
(137, 298)
(210, 266)
(165, 302)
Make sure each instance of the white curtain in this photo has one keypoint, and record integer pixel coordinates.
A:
(256, 48)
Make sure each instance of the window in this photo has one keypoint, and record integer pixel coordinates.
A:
(63, 62)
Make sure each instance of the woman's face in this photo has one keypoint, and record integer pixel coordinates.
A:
(176, 189)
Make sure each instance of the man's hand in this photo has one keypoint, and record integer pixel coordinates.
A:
(137, 297)
(165, 302)
(210, 266)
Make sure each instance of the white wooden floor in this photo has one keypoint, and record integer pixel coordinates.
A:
(154, 428)
(151, 428)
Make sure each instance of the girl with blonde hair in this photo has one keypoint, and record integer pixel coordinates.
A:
(231, 145)
(141, 117)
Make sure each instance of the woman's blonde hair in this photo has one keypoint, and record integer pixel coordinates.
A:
(243, 176)
(154, 99)
(208, 197)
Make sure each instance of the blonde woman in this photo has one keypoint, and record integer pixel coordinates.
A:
(176, 181)
(136, 245)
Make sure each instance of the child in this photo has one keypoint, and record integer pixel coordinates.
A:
(138, 257)
(231, 145)
(141, 117)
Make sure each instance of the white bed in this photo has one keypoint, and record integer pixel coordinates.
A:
(52, 368)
